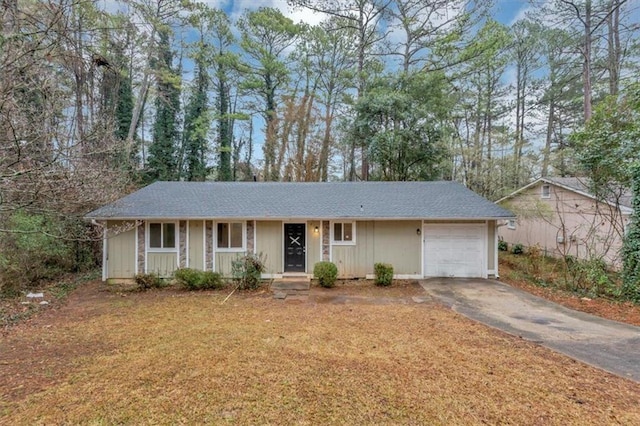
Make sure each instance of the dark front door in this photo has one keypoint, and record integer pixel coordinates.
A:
(294, 247)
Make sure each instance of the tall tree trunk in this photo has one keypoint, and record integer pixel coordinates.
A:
(613, 46)
(586, 65)
(546, 153)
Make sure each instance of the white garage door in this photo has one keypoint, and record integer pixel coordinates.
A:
(455, 250)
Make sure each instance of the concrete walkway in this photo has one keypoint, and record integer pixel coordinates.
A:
(609, 345)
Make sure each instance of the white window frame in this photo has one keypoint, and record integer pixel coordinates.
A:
(353, 231)
(162, 249)
(511, 224)
(230, 249)
(542, 191)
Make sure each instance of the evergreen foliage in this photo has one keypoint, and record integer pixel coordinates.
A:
(399, 117)
(196, 126)
(384, 274)
(162, 163)
(631, 248)
(326, 273)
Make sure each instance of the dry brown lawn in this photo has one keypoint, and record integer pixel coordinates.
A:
(168, 357)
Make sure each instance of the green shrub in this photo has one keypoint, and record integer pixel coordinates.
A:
(503, 246)
(43, 248)
(517, 249)
(247, 270)
(591, 277)
(188, 278)
(326, 273)
(384, 274)
(148, 281)
(193, 279)
(212, 280)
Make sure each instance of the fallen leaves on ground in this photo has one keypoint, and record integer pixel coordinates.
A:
(172, 357)
(626, 312)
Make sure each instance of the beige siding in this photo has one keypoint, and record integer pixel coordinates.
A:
(399, 244)
(269, 244)
(566, 223)
(162, 264)
(196, 245)
(121, 250)
(393, 242)
(491, 245)
(224, 261)
(313, 245)
(356, 260)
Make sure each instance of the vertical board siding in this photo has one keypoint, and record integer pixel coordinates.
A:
(393, 242)
(196, 245)
(224, 262)
(313, 245)
(356, 260)
(269, 245)
(163, 264)
(399, 244)
(121, 249)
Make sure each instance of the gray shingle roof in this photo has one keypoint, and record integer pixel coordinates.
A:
(279, 200)
(618, 195)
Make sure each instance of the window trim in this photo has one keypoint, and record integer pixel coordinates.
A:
(162, 249)
(511, 224)
(542, 192)
(230, 249)
(353, 231)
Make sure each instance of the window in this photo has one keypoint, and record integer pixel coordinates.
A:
(546, 191)
(344, 232)
(511, 224)
(230, 235)
(162, 235)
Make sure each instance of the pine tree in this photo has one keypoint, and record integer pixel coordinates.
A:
(196, 126)
(162, 161)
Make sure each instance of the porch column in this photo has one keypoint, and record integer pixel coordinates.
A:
(141, 246)
(326, 240)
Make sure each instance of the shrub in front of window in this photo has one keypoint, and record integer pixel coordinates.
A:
(193, 279)
(326, 273)
(212, 280)
(247, 271)
(517, 249)
(502, 245)
(148, 281)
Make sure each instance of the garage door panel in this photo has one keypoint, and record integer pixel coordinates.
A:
(454, 250)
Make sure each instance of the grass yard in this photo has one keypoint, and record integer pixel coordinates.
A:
(169, 357)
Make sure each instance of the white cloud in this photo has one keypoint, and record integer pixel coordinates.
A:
(236, 7)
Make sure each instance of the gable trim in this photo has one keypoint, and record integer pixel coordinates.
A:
(623, 209)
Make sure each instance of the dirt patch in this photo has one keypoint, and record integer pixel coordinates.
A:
(626, 312)
(366, 292)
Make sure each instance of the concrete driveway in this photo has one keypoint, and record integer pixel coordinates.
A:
(609, 345)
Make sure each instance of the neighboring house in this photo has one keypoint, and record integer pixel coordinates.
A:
(421, 228)
(563, 217)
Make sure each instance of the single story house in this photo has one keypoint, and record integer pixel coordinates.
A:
(423, 229)
(563, 217)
